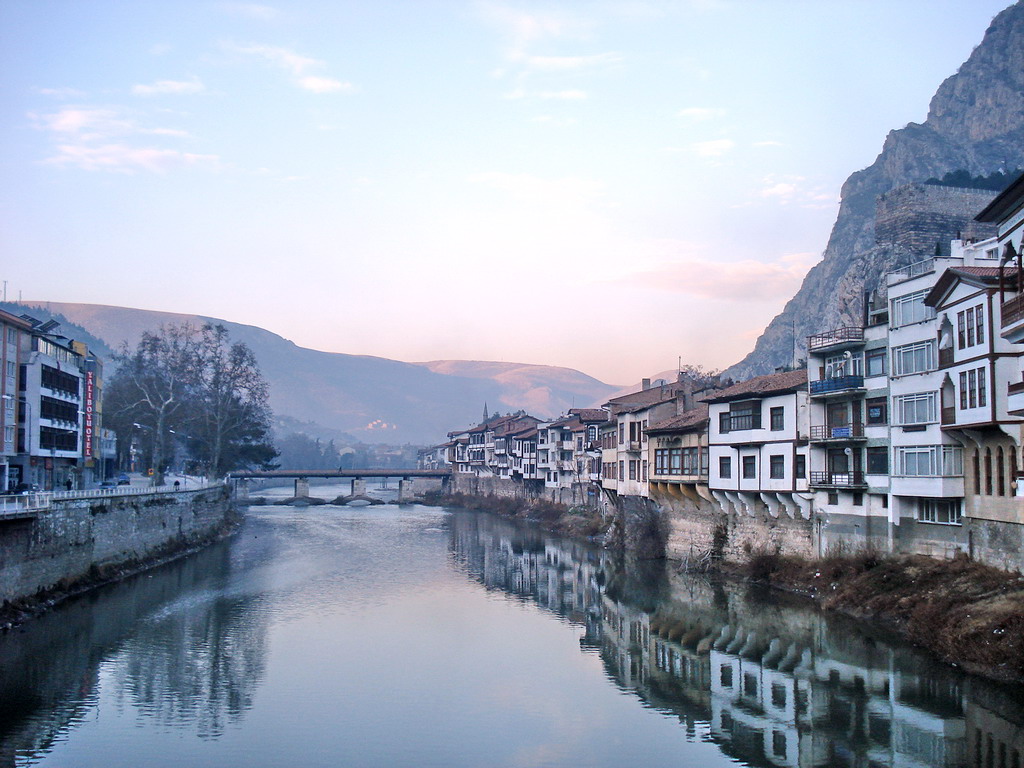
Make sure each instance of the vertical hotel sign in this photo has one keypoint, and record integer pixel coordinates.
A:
(90, 392)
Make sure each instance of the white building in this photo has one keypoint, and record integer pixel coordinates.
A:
(757, 443)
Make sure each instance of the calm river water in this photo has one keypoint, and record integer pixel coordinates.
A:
(418, 636)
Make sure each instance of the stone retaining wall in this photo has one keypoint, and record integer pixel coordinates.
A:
(73, 537)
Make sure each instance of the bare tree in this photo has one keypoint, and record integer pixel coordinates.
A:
(153, 385)
(231, 420)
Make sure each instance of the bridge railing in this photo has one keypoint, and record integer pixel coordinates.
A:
(33, 502)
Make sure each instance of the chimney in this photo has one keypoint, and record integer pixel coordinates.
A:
(645, 384)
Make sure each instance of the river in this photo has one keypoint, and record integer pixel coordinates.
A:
(417, 636)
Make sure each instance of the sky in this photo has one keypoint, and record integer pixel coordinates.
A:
(608, 186)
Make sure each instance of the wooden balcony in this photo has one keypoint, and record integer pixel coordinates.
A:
(840, 337)
(835, 385)
(827, 433)
(853, 479)
(1013, 310)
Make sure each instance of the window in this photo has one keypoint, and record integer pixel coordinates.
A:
(622, 433)
(777, 467)
(910, 309)
(632, 469)
(913, 358)
(944, 511)
(725, 466)
(846, 364)
(661, 461)
(643, 470)
(778, 418)
(970, 327)
(917, 408)
(973, 388)
(833, 498)
(622, 470)
(858, 499)
(800, 466)
(929, 461)
(878, 410)
(878, 460)
(749, 467)
(740, 416)
(726, 677)
(875, 360)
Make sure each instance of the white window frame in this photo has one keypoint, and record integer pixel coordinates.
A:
(914, 350)
(909, 309)
(929, 461)
(940, 511)
(922, 405)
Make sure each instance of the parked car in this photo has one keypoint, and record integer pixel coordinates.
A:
(26, 488)
(109, 484)
(123, 479)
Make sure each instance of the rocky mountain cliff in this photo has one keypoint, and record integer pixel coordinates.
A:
(975, 122)
(374, 399)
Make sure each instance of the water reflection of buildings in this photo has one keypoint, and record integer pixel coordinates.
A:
(771, 685)
(175, 648)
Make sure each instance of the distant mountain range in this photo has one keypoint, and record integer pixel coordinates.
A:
(372, 399)
(975, 125)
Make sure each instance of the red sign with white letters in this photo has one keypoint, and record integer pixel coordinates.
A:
(90, 384)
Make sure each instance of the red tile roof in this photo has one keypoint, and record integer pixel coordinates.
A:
(762, 386)
(694, 419)
(645, 398)
(590, 414)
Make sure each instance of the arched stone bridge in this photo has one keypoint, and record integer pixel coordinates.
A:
(406, 483)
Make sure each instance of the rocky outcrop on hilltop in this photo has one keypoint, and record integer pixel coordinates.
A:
(975, 123)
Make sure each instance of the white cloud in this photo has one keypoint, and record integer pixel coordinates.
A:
(96, 139)
(535, 189)
(296, 64)
(252, 11)
(170, 87)
(747, 280)
(571, 95)
(571, 63)
(767, 144)
(713, 148)
(119, 158)
(700, 114)
(323, 84)
(795, 190)
(61, 93)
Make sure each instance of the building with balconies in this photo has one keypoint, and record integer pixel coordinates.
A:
(678, 456)
(51, 409)
(849, 434)
(632, 414)
(941, 312)
(13, 407)
(758, 446)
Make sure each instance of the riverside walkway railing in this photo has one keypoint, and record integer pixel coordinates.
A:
(24, 504)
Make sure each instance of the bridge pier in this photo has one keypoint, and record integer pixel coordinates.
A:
(358, 486)
(406, 490)
(301, 487)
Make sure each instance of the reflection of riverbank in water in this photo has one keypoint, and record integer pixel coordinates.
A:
(771, 680)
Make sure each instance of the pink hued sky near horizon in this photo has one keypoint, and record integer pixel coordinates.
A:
(604, 186)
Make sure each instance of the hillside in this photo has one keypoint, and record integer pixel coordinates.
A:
(975, 123)
(371, 398)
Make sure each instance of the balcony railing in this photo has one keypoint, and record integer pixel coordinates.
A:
(854, 479)
(634, 446)
(1013, 310)
(916, 269)
(835, 384)
(832, 338)
(821, 432)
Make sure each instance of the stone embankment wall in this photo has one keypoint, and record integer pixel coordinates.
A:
(681, 529)
(75, 538)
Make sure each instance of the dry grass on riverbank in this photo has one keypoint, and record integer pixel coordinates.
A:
(579, 522)
(967, 613)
